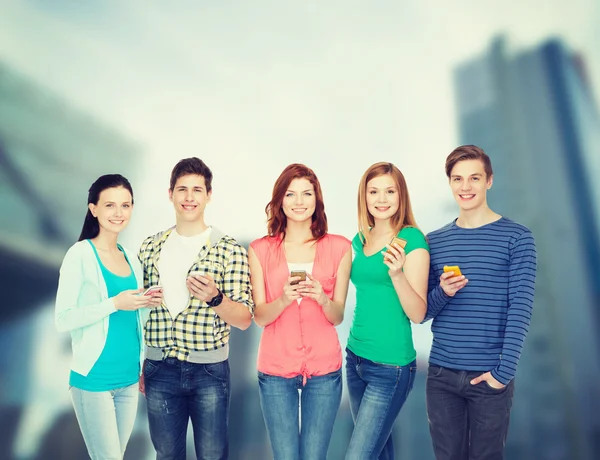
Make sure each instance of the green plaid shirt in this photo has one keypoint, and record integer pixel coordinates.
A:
(198, 327)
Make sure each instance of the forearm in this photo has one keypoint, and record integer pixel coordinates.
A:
(75, 317)
(412, 303)
(266, 313)
(235, 314)
(333, 311)
(437, 299)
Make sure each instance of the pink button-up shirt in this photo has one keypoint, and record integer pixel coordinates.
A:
(301, 341)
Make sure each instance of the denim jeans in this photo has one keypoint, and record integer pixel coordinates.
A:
(377, 393)
(106, 419)
(319, 400)
(466, 422)
(178, 391)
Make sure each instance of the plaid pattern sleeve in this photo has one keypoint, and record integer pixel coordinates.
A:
(198, 327)
(236, 281)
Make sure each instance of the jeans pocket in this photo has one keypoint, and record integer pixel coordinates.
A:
(434, 370)
(150, 368)
(491, 388)
(219, 371)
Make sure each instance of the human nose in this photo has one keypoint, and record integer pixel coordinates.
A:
(189, 196)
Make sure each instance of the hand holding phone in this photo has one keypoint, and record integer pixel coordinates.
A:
(452, 268)
(153, 290)
(396, 241)
(452, 280)
(296, 273)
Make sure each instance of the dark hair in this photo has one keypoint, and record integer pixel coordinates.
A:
(91, 228)
(189, 166)
(469, 152)
(276, 219)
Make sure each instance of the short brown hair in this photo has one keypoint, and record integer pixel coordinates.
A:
(191, 166)
(469, 152)
(276, 218)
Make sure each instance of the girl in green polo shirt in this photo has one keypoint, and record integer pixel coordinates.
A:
(391, 291)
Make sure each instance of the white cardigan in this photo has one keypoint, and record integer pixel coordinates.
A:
(83, 306)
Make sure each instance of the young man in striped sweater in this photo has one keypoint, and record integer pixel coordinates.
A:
(480, 317)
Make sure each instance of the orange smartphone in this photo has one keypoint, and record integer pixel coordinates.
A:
(399, 241)
(300, 273)
(452, 268)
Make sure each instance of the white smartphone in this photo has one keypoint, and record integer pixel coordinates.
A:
(152, 290)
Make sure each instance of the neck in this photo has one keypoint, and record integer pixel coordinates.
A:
(298, 232)
(382, 227)
(474, 218)
(185, 228)
(106, 241)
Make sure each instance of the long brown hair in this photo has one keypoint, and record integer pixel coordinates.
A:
(403, 217)
(276, 218)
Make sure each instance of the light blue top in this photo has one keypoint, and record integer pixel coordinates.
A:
(83, 306)
(119, 363)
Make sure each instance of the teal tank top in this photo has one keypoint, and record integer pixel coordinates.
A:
(119, 363)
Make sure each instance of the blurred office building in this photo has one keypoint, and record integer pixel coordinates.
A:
(534, 113)
(50, 153)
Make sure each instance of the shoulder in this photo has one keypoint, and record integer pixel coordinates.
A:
(230, 245)
(264, 243)
(337, 241)
(518, 235)
(151, 240)
(415, 239)
(440, 232)
(79, 250)
(357, 242)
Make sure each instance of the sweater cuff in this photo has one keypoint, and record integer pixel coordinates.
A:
(502, 380)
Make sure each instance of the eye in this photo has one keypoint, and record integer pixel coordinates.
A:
(391, 191)
(308, 193)
(126, 206)
(372, 192)
(456, 179)
(109, 205)
(476, 179)
(289, 194)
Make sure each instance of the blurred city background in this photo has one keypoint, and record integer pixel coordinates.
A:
(88, 88)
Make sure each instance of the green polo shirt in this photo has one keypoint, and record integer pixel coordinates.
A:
(381, 331)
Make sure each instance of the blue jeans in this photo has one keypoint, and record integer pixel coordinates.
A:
(466, 422)
(377, 393)
(106, 419)
(319, 401)
(178, 391)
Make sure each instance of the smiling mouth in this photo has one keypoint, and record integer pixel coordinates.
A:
(467, 197)
(188, 207)
(299, 210)
(382, 208)
(116, 222)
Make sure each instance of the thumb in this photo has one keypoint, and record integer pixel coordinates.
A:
(477, 380)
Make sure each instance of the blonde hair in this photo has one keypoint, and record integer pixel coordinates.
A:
(403, 217)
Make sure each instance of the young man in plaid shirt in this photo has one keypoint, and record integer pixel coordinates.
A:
(206, 285)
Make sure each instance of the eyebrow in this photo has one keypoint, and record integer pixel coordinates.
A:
(375, 188)
(307, 190)
(113, 202)
(191, 186)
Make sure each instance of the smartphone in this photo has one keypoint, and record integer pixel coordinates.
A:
(452, 268)
(300, 273)
(152, 290)
(398, 241)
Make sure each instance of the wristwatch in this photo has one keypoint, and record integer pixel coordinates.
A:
(216, 300)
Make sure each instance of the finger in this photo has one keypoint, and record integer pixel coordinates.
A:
(446, 275)
(309, 276)
(203, 279)
(477, 380)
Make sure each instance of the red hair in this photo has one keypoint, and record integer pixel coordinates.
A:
(276, 218)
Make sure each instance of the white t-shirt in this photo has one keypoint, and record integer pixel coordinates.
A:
(307, 267)
(177, 255)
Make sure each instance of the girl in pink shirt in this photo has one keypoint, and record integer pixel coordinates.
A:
(299, 357)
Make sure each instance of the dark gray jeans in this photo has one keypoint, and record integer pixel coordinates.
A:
(466, 422)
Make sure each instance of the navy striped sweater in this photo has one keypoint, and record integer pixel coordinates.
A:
(482, 328)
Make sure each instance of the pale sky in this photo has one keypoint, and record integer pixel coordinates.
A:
(251, 87)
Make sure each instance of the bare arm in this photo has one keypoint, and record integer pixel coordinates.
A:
(265, 313)
(409, 275)
(333, 309)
